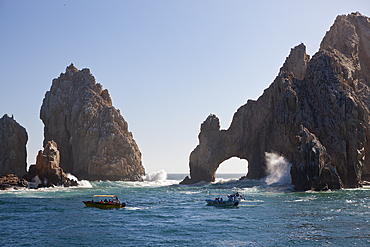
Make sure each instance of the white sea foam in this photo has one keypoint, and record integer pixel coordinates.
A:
(153, 179)
(224, 180)
(156, 176)
(82, 183)
(278, 169)
(72, 177)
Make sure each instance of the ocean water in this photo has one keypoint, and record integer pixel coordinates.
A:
(160, 212)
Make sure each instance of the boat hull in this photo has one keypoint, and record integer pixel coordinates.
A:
(222, 203)
(103, 205)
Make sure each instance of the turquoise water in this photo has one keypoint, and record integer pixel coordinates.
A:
(162, 213)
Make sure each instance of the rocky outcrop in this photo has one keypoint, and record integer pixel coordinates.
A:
(13, 153)
(92, 136)
(328, 95)
(47, 172)
(11, 181)
(313, 169)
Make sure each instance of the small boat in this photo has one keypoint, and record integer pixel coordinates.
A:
(105, 203)
(232, 201)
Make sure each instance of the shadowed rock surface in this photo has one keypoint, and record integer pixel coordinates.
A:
(328, 95)
(313, 169)
(13, 153)
(93, 138)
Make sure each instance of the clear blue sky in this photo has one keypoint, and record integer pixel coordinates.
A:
(167, 64)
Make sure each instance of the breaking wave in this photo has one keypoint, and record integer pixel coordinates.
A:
(156, 176)
(82, 183)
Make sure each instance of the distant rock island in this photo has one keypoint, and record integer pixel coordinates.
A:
(92, 136)
(13, 152)
(83, 135)
(315, 114)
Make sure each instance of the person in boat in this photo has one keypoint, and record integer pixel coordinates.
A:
(105, 201)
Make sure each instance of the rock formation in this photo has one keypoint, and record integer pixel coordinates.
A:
(13, 153)
(314, 161)
(47, 171)
(92, 136)
(11, 181)
(327, 95)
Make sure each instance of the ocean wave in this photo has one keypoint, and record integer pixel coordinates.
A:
(81, 183)
(156, 176)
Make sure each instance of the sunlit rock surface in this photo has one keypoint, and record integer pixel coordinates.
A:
(11, 181)
(47, 171)
(92, 136)
(328, 95)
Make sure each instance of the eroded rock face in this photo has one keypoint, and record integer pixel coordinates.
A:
(328, 95)
(92, 136)
(47, 168)
(313, 169)
(13, 153)
(11, 181)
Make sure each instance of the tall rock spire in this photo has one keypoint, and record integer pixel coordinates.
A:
(92, 136)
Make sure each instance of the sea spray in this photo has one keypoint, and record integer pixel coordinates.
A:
(156, 176)
(82, 183)
(278, 169)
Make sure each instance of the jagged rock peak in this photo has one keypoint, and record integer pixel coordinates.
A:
(349, 36)
(92, 136)
(13, 152)
(328, 94)
(212, 123)
(296, 63)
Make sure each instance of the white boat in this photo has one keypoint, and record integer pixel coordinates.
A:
(232, 201)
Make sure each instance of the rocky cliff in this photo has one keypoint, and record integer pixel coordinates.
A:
(13, 153)
(326, 96)
(47, 171)
(92, 136)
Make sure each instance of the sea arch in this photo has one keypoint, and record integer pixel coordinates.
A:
(234, 165)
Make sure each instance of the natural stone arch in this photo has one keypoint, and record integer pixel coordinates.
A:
(234, 165)
(325, 99)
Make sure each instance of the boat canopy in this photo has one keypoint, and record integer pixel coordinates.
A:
(105, 196)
